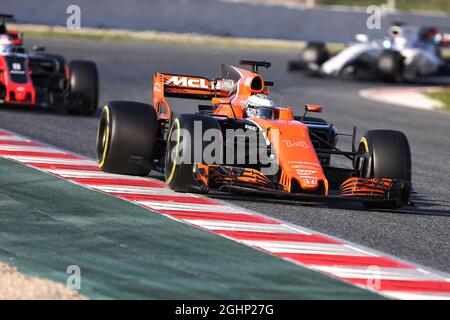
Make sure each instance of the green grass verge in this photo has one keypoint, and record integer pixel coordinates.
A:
(443, 96)
(407, 5)
(166, 37)
(446, 53)
(404, 5)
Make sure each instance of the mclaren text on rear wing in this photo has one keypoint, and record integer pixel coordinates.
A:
(186, 87)
(179, 86)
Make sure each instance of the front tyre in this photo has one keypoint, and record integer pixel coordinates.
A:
(126, 138)
(384, 154)
(84, 86)
(184, 149)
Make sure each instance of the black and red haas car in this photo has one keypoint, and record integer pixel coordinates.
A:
(41, 79)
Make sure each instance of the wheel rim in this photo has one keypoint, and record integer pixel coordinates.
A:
(361, 162)
(103, 136)
(172, 152)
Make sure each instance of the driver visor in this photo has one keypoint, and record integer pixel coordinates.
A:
(262, 112)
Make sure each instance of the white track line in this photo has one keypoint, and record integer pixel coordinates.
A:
(414, 296)
(46, 160)
(379, 273)
(303, 247)
(191, 207)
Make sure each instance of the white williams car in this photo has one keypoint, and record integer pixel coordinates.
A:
(405, 54)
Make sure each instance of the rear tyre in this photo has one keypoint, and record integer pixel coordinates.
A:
(391, 66)
(180, 151)
(384, 154)
(126, 138)
(83, 88)
(315, 52)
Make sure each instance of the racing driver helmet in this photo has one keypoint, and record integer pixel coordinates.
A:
(7, 45)
(259, 106)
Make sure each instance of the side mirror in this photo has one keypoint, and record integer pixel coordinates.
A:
(38, 48)
(363, 38)
(313, 108)
(310, 108)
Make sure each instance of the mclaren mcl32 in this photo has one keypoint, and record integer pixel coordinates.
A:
(225, 148)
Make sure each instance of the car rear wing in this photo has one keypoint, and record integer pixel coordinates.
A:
(6, 17)
(179, 86)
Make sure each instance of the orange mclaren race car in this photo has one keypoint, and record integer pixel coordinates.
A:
(242, 142)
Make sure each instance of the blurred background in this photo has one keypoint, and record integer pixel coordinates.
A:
(407, 5)
(320, 20)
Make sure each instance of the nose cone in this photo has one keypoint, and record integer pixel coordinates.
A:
(299, 161)
(297, 158)
(20, 94)
(308, 179)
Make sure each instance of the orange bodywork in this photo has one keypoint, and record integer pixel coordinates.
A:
(361, 187)
(300, 167)
(296, 155)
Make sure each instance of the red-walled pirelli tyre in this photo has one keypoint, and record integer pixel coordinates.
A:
(179, 170)
(387, 155)
(126, 138)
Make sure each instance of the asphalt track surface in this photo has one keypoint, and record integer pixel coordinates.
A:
(418, 234)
